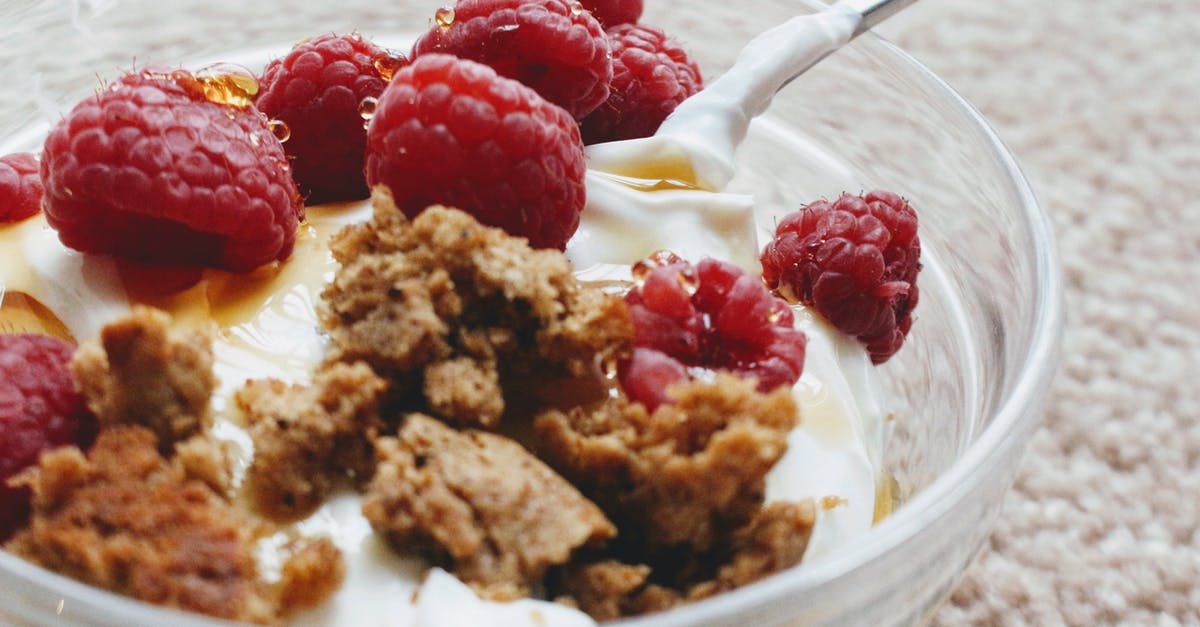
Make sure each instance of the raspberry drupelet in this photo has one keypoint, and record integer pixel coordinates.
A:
(171, 168)
(613, 12)
(709, 316)
(652, 74)
(317, 89)
(855, 260)
(20, 187)
(451, 131)
(552, 46)
(39, 410)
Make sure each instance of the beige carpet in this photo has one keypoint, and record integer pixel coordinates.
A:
(1100, 100)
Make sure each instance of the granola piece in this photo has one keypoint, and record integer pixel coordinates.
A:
(443, 294)
(461, 391)
(493, 512)
(683, 476)
(143, 371)
(126, 519)
(313, 572)
(776, 539)
(307, 436)
(208, 459)
(603, 589)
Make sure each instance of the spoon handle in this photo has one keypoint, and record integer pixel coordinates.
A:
(874, 11)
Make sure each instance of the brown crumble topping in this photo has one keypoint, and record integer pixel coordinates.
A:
(128, 520)
(306, 437)
(143, 371)
(313, 572)
(480, 502)
(683, 476)
(454, 303)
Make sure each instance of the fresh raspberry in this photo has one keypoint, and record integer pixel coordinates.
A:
(451, 131)
(652, 74)
(550, 45)
(317, 90)
(39, 410)
(710, 316)
(152, 171)
(612, 12)
(854, 260)
(20, 187)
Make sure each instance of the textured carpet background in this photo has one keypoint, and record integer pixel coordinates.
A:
(1100, 101)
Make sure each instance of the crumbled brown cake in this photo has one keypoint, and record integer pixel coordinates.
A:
(683, 476)
(443, 294)
(493, 512)
(308, 436)
(126, 519)
(313, 572)
(776, 539)
(603, 589)
(143, 371)
(208, 459)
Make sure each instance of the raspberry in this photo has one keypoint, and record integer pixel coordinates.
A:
(39, 410)
(451, 131)
(550, 45)
(317, 90)
(20, 187)
(152, 171)
(612, 12)
(711, 316)
(855, 261)
(652, 74)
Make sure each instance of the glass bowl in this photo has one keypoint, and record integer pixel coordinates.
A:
(967, 390)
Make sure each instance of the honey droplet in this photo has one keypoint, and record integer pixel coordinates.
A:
(833, 502)
(658, 259)
(228, 83)
(22, 313)
(280, 130)
(366, 107)
(388, 64)
(688, 281)
(444, 17)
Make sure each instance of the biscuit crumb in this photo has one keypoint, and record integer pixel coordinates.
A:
(126, 519)
(143, 371)
(443, 294)
(480, 503)
(684, 476)
(311, 575)
(308, 436)
(774, 540)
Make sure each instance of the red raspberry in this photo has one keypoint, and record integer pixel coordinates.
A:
(20, 187)
(712, 316)
(317, 90)
(652, 74)
(452, 131)
(855, 261)
(612, 12)
(550, 45)
(152, 171)
(39, 410)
